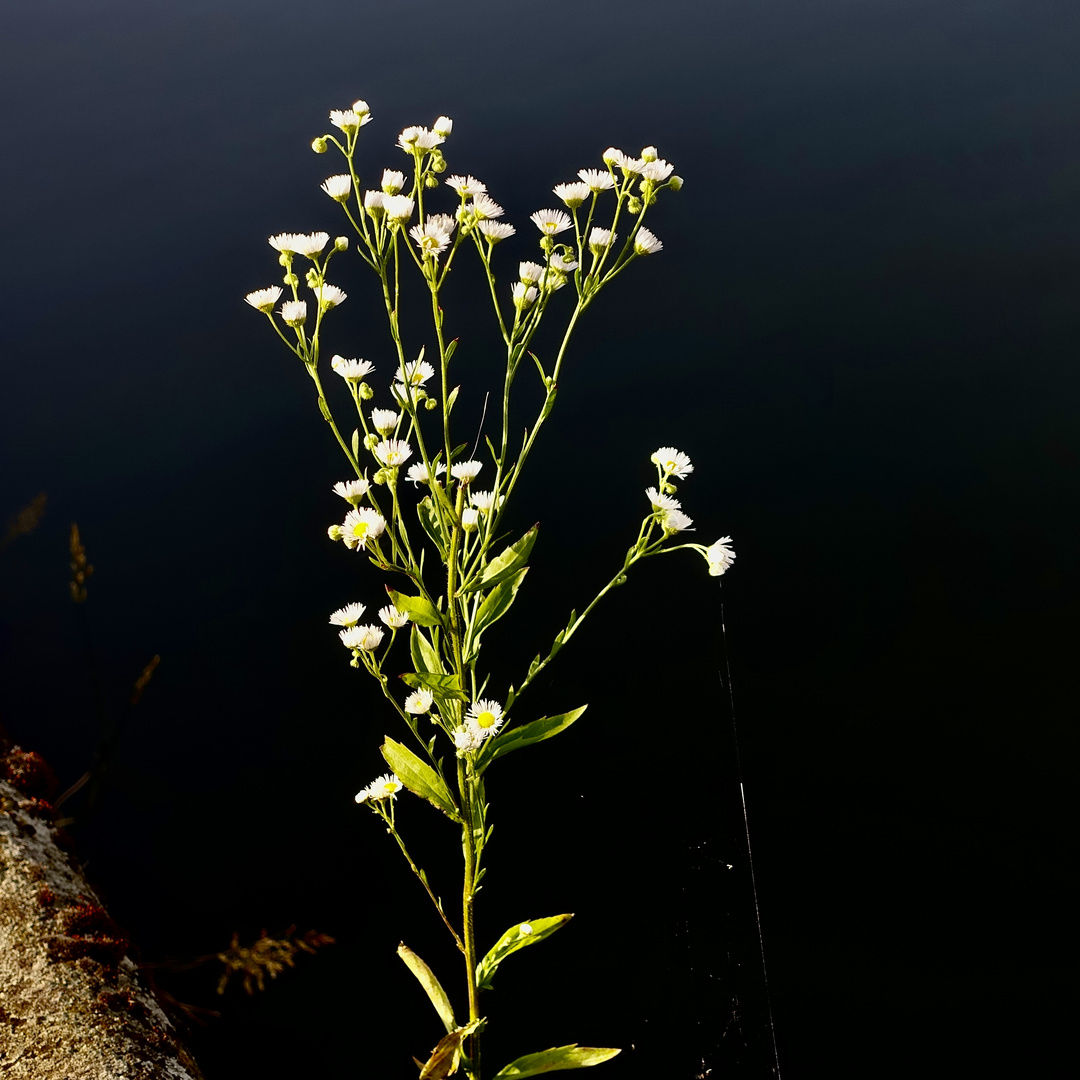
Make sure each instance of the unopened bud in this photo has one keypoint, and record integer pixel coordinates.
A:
(365, 392)
(370, 441)
(649, 154)
(547, 244)
(341, 243)
(319, 144)
(675, 183)
(668, 489)
(312, 277)
(291, 280)
(431, 404)
(430, 182)
(381, 476)
(633, 205)
(438, 162)
(284, 259)
(335, 532)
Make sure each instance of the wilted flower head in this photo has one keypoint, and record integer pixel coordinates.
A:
(523, 295)
(646, 243)
(392, 181)
(675, 521)
(352, 370)
(419, 702)
(572, 194)
(264, 299)
(597, 179)
(551, 222)
(719, 556)
(338, 187)
(347, 616)
(392, 452)
(464, 471)
(360, 526)
(392, 617)
(294, 312)
(466, 739)
(672, 462)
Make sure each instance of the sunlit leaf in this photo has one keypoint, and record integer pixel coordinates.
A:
(495, 605)
(424, 655)
(432, 987)
(446, 1056)
(516, 737)
(507, 562)
(556, 1059)
(517, 937)
(416, 607)
(419, 777)
(442, 686)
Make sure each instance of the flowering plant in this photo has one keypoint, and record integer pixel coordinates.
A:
(444, 605)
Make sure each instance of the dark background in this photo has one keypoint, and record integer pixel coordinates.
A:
(862, 328)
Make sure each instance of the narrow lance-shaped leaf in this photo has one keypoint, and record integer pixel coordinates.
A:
(416, 607)
(495, 605)
(432, 987)
(517, 937)
(442, 686)
(526, 735)
(555, 1060)
(507, 562)
(420, 778)
(429, 521)
(424, 656)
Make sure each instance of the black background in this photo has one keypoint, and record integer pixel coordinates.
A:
(863, 330)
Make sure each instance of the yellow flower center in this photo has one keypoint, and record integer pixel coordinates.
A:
(485, 720)
(360, 529)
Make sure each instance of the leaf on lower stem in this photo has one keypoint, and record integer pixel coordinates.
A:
(421, 779)
(556, 1059)
(432, 987)
(446, 1056)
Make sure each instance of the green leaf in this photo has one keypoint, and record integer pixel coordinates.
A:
(495, 605)
(515, 738)
(432, 987)
(442, 686)
(429, 522)
(556, 1059)
(356, 444)
(517, 937)
(416, 607)
(451, 398)
(421, 779)
(424, 655)
(507, 562)
(456, 452)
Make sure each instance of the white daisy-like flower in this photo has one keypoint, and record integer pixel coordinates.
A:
(352, 370)
(385, 420)
(572, 194)
(347, 120)
(329, 295)
(660, 501)
(392, 452)
(419, 702)
(361, 525)
(466, 739)
(562, 263)
(392, 181)
(338, 187)
(530, 272)
(264, 299)
(364, 638)
(283, 242)
(362, 796)
(466, 185)
(420, 138)
(415, 372)
(551, 222)
(352, 491)
(375, 202)
(443, 126)
(309, 244)
(657, 170)
(719, 556)
(631, 165)
(482, 500)
(496, 230)
(361, 108)
(672, 462)
(347, 616)
(485, 207)
(597, 179)
(600, 239)
(386, 787)
(675, 521)
(470, 518)
(484, 717)
(612, 156)
(430, 239)
(646, 243)
(464, 471)
(523, 295)
(649, 153)
(418, 473)
(294, 312)
(553, 281)
(398, 208)
(392, 617)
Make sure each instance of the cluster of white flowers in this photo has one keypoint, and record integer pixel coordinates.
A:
(385, 787)
(361, 525)
(482, 720)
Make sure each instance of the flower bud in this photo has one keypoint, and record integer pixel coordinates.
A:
(668, 489)
(431, 404)
(430, 182)
(443, 126)
(675, 183)
(291, 280)
(365, 392)
(312, 278)
(438, 162)
(341, 243)
(370, 441)
(335, 532)
(319, 144)
(633, 205)
(649, 154)
(382, 476)
(284, 259)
